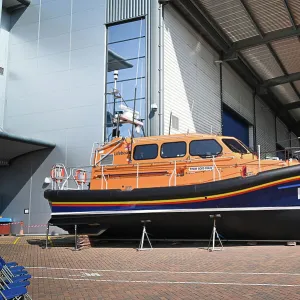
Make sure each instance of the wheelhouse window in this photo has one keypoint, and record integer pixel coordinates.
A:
(235, 146)
(172, 150)
(143, 152)
(205, 148)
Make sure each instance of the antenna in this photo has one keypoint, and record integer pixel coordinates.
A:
(116, 75)
(135, 89)
(211, 130)
(133, 115)
(170, 123)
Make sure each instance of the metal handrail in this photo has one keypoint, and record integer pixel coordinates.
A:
(103, 177)
(215, 167)
(173, 174)
(169, 162)
(109, 152)
(137, 175)
(62, 182)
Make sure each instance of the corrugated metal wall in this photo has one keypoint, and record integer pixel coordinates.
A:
(251, 137)
(237, 95)
(294, 140)
(192, 79)
(265, 128)
(4, 42)
(118, 10)
(283, 134)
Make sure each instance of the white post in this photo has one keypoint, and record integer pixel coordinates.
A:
(102, 178)
(175, 174)
(258, 153)
(214, 174)
(137, 176)
(214, 234)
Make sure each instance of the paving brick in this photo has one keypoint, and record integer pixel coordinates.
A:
(181, 271)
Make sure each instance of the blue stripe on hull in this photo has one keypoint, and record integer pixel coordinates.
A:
(268, 197)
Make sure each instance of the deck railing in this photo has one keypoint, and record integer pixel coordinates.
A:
(67, 178)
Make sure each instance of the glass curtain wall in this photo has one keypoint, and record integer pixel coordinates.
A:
(126, 54)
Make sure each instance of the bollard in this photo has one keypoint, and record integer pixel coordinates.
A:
(76, 243)
(47, 236)
(21, 228)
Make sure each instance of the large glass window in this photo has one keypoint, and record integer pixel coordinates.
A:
(145, 152)
(235, 146)
(172, 150)
(126, 53)
(205, 148)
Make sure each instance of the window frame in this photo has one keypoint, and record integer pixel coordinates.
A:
(205, 140)
(140, 145)
(161, 147)
(106, 127)
(240, 143)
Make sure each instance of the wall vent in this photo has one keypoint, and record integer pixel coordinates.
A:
(108, 160)
(175, 122)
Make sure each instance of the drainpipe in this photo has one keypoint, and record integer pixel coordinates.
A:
(254, 127)
(221, 95)
(161, 69)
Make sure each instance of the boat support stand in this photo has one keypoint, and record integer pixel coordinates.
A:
(144, 234)
(214, 235)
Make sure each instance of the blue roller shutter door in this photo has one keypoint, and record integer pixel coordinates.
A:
(235, 126)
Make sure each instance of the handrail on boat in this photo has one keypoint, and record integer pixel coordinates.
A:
(173, 174)
(103, 178)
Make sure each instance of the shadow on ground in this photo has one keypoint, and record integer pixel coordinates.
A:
(96, 242)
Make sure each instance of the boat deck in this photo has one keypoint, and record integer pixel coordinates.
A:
(115, 270)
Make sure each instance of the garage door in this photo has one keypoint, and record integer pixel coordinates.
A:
(235, 126)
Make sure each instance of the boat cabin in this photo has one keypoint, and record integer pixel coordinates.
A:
(174, 160)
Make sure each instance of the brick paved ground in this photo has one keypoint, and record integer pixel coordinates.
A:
(118, 271)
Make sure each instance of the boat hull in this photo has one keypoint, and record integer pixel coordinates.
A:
(232, 225)
(262, 207)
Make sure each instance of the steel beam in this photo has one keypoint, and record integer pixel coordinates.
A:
(268, 37)
(281, 80)
(292, 105)
(282, 68)
(291, 17)
(202, 22)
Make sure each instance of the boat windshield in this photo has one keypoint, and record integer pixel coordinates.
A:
(235, 146)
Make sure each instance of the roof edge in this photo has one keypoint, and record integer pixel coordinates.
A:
(13, 137)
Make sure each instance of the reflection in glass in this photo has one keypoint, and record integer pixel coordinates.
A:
(135, 68)
(125, 31)
(129, 49)
(126, 57)
(126, 89)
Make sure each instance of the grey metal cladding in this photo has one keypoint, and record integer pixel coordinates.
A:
(283, 134)
(191, 78)
(265, 128)
(119, 10)
(237, 94)
(294, 140)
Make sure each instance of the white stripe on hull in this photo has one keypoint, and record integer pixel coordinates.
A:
(177, 210)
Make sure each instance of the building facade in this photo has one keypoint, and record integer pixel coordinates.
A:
(59, 59)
